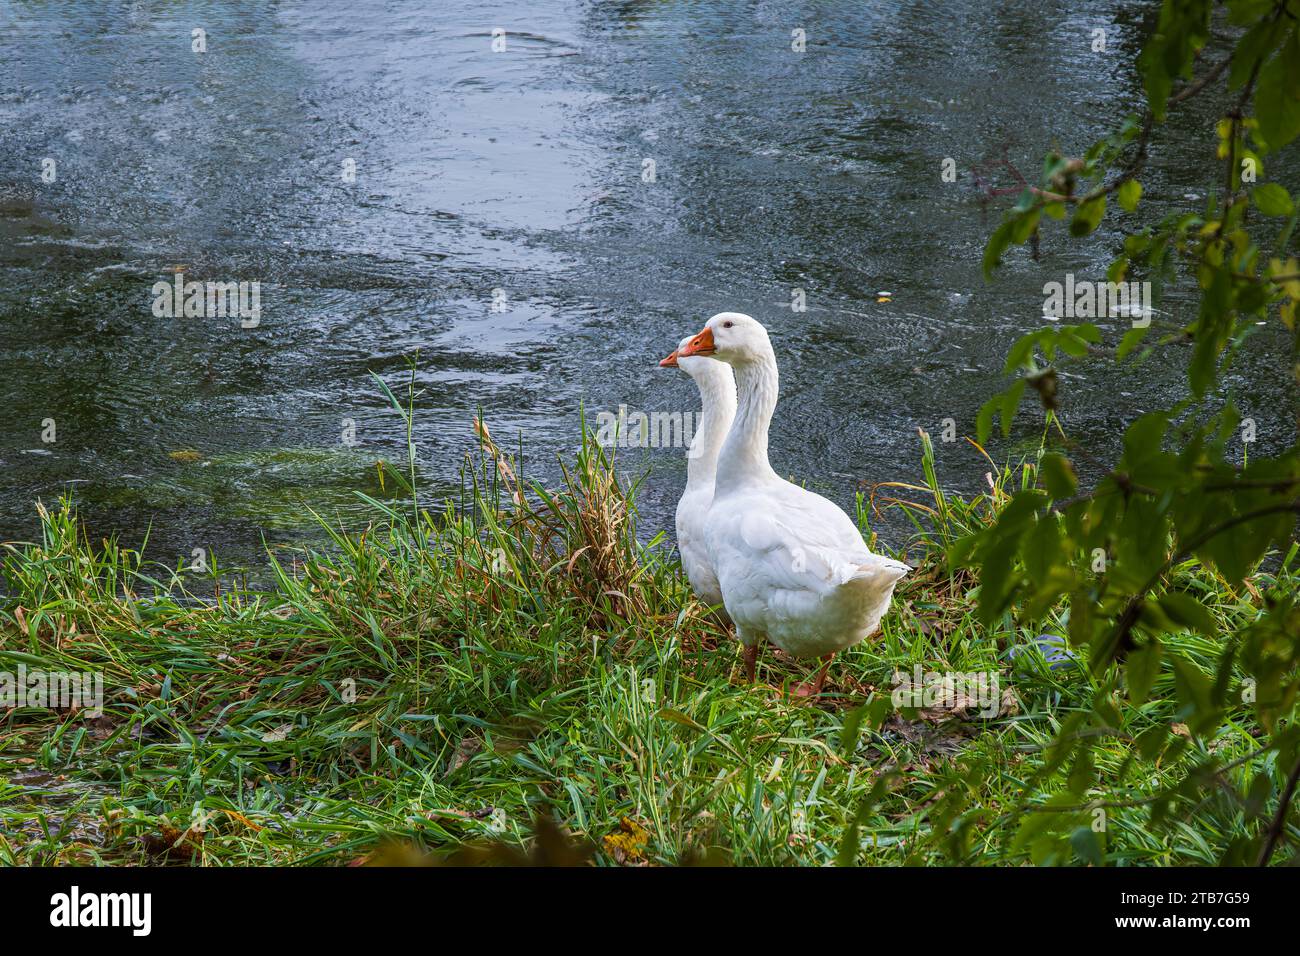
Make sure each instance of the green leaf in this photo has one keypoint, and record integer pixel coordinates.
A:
(1041, 550)
(873, 713)
(1131, 340)
(1188, 612)
(997, 244)
(1033, 826)
(1010, 404)
(984, 420)
(677, 717)
(1025, 226)
(1087, 216)
(1082, 774)
(1057, 475)
(1143, 438)
(1182, 29)
(1087, 844)
(999, 578)
(1258, 43)
(852, 727)
(1277, 97)
(1235, 551)
(1273, 200)
(1021, 353)
(1072, 343)
(1129, 194)
(1192, 686)
(1242, 12)
(849, 844)
(1152, 740)
(1140, 671)
(1212, 328)
(1156, 81)
(1204, 367)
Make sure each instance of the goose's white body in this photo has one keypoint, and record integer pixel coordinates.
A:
(717, 388)
(792, 567)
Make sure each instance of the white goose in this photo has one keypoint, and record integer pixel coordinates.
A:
(717, 387)
(792, 566)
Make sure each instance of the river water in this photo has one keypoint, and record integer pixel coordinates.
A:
(500, 237)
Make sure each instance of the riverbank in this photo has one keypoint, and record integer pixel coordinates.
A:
(434, 685)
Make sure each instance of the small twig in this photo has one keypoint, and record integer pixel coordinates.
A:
(1191, 90)
(1279, 819)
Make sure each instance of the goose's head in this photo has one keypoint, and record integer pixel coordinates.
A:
(698, 367)
(731, 337)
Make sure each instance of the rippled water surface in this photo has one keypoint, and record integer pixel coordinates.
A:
(522, 171)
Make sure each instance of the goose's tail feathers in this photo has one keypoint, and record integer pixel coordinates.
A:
(879, 573)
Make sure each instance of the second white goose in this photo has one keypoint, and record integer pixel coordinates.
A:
(792, 567)
(717, 388)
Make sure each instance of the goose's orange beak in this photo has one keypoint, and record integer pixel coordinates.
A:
(670, 361)
(702, 344)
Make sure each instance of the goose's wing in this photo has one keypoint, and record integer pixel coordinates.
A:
(794, 539)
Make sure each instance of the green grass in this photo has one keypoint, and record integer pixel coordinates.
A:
(438, 683)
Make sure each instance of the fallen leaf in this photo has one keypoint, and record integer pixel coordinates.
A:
(276, 736)
(466, 749)
(627, 845)
(180, 846)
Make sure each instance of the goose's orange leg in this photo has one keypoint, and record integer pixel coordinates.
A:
(751, 658)
(815, 688)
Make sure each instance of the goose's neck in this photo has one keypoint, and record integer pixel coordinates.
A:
(717, 410)
(743, 459)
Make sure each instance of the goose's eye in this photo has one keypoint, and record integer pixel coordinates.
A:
(727, 325)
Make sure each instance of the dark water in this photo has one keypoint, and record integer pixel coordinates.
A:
(521, 171)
